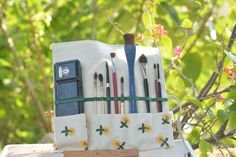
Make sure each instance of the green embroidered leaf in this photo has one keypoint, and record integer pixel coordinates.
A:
(123, 124)
(165, 121)
(100, 130)
(66, 131)
(123, 144)
(142, 128)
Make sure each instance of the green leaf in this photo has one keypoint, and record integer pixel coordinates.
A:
(232, 94)
(4, 63)
(203, 154)
(232, 108)
(198, 3)
(187, 24)
(222, 115)
(192, 66)
(196, 102)
(193, 134)
(166, 44)
(205, 146)
(171, 11)
(232, 120)
(146, 20)
(2, 113)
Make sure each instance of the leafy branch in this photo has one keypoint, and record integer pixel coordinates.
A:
(205, 90)
(39, 53)
(29, 85)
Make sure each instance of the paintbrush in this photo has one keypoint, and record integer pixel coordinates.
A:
(122, 108)
(114, 81)
(101, 93)
(130, 52)
(95, 93)
(143, 65)
(108, 93)
(158, 87)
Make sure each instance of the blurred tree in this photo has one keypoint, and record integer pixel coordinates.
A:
(192, 34)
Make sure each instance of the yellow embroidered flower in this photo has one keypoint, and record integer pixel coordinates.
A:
(125, 119)
(71, 131)
(106, 131)
(159, 139)
(115, 143)
(83, 143)
(166, 116)
(148, 128)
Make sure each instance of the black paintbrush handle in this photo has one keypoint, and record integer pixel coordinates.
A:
(159, 94)
(108, 101)
(146, 91)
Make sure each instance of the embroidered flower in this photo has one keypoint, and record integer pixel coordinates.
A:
(162, 141)
(148, 128)
(117, 144)
(100, 130)
(71, 132)
(103, 130)
(83, 144)
(165, 118)
(124, 122)
(106, 131)
(125, 119)
(159, 139)
(68, 131)
(145, 128)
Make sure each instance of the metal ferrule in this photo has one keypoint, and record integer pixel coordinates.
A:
(144, 69)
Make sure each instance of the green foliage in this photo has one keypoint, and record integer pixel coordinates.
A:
(187, 24)
(34, 25)
(192, 66)
(205, 147)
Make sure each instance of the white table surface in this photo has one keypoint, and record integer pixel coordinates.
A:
(47, 150)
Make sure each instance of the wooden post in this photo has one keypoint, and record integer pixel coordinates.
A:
(103, 153)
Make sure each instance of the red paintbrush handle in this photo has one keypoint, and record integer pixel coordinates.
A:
(157, 95)
(114, 80)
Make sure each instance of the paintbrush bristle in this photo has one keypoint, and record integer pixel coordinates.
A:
(113, 54)
(142, 59)
(122, 79)
(100, 77)
(95, 75)
(129, 39)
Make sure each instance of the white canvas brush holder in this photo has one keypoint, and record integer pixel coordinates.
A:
(113, 131)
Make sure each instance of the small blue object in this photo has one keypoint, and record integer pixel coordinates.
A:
(230, 55)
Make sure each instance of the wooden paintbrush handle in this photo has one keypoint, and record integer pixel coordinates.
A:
(114, 80)
(157, 95)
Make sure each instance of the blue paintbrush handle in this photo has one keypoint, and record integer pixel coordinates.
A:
(130, 52)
